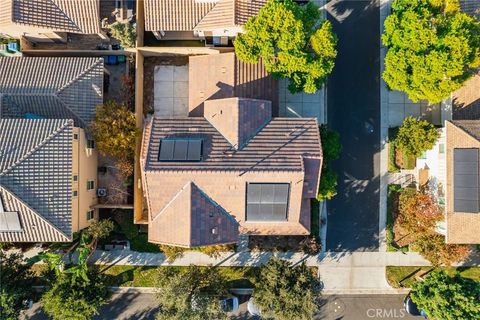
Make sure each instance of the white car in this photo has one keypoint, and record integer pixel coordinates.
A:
(252, 308)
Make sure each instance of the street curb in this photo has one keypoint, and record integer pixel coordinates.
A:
(371, 291)
(133, 289)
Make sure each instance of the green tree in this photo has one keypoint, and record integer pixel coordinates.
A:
(447, 298)
(284, 292)
(192, 293)
(76, 300)
(416, 136)
(331, 149)
(16, 280)
(115, 132)
(432, 47)
(293, 43)
(98, 230)
(328, 184)
(125, 33)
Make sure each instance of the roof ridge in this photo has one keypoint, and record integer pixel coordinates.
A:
(173, 199)
(213, 9)
(72, 81)
(37, 147)
(456, 124)
(66, 15)
(33, 211)
(216, 204)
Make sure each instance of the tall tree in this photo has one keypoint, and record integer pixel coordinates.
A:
(432, 47)
(16, 280)
(447, 298)
(293, 43)
(191, 294)
(125, 33)
(416, 136)
(285, 292)
(434, 248)
(76, 300)
(115, 132)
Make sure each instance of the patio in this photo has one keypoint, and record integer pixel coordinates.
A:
(170, 91)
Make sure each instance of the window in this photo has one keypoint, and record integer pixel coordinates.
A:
(74, 193)
(90, 144)
(90, 214)
(441, 148)
(75, 136)
(267, 201)
(180, 150)
(90, 185)
(75, 178)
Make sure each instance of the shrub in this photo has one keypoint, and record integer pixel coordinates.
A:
(416, 136)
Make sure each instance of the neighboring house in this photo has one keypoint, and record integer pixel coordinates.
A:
(234, 171)
(30, 17)
(463, 175)
(216, 21)
(217, 76)
(46, 105)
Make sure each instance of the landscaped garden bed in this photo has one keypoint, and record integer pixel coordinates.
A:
(308, 244)
(397, 158)
(404, 277)
(393, 195)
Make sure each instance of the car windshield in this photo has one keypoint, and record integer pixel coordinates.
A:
(227, 304)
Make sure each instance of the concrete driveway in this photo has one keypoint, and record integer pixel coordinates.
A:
(354, 111)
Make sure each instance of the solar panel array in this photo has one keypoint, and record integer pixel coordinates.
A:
(9, 221)
(465, 183)
(267, 201)
(180, 150)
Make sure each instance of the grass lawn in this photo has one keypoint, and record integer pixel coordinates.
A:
(125, 228)
(404, 277)
(135, 276)
(393, 189)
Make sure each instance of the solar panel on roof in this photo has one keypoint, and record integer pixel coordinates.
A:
(180, 150)
(465, 180)
(9, 221)
(267, 201)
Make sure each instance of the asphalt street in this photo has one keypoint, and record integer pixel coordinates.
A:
(353, 110)
(136, 306)
(363, 307)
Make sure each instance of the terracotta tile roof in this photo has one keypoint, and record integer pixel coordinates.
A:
(80, 16)
(193, 219)
(189, 15)
(238, 119)
(280, 145)
(41, 194)
(53, 87)
(462, 227)
(224, 76)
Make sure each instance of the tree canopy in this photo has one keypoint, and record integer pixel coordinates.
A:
(285, 292)
(331, 149)
(125, 33)
(76, 300)
(293, 43)
(432, 47)
(115, 132)
(16, 280)
(416, 136)
(447, 298)
(418, 211)
(191, 294)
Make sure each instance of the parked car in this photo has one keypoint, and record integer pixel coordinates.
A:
(252, 308)
(412, 308)
(229, 304)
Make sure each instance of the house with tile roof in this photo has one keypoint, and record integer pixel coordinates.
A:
(234, 170)
(48, 168)
(205, 19)
(462, 201)
(20, 17)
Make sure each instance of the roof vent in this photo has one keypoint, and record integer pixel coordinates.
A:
(214, 230)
